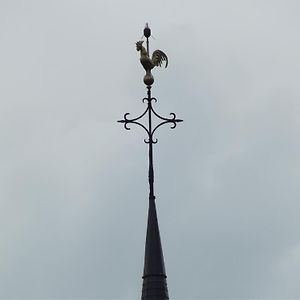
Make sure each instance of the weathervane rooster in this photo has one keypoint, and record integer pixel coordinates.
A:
(158, 57)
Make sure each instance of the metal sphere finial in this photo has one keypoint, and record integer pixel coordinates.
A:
(147, 31)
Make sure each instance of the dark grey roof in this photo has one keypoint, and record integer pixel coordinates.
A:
(154, 278)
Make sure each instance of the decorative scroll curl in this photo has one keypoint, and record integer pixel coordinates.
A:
(127, 121)
(151, 99)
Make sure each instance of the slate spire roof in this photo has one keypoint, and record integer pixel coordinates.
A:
(154, 278)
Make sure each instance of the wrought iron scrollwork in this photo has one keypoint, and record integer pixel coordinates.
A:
(150, 132)
(127, 121)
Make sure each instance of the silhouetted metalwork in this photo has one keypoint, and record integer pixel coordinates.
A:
(154, 276)
(150, 132)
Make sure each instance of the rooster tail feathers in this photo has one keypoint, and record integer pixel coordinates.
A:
(158, 57)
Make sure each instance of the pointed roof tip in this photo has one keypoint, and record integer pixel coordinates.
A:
(154, 278)
(154, 260)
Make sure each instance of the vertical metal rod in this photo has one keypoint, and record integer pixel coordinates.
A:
(151, 170)
(147, 41)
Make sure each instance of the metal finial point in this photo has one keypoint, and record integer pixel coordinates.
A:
(147, 31)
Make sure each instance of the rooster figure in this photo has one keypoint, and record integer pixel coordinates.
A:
(158, 57)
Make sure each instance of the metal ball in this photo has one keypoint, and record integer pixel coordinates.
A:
(147, 32)
(148, 79)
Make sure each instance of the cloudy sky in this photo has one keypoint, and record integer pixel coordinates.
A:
(73, 182)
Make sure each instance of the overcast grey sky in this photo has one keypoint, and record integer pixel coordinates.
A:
(73, 182)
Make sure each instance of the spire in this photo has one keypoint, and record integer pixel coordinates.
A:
(154, 278)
